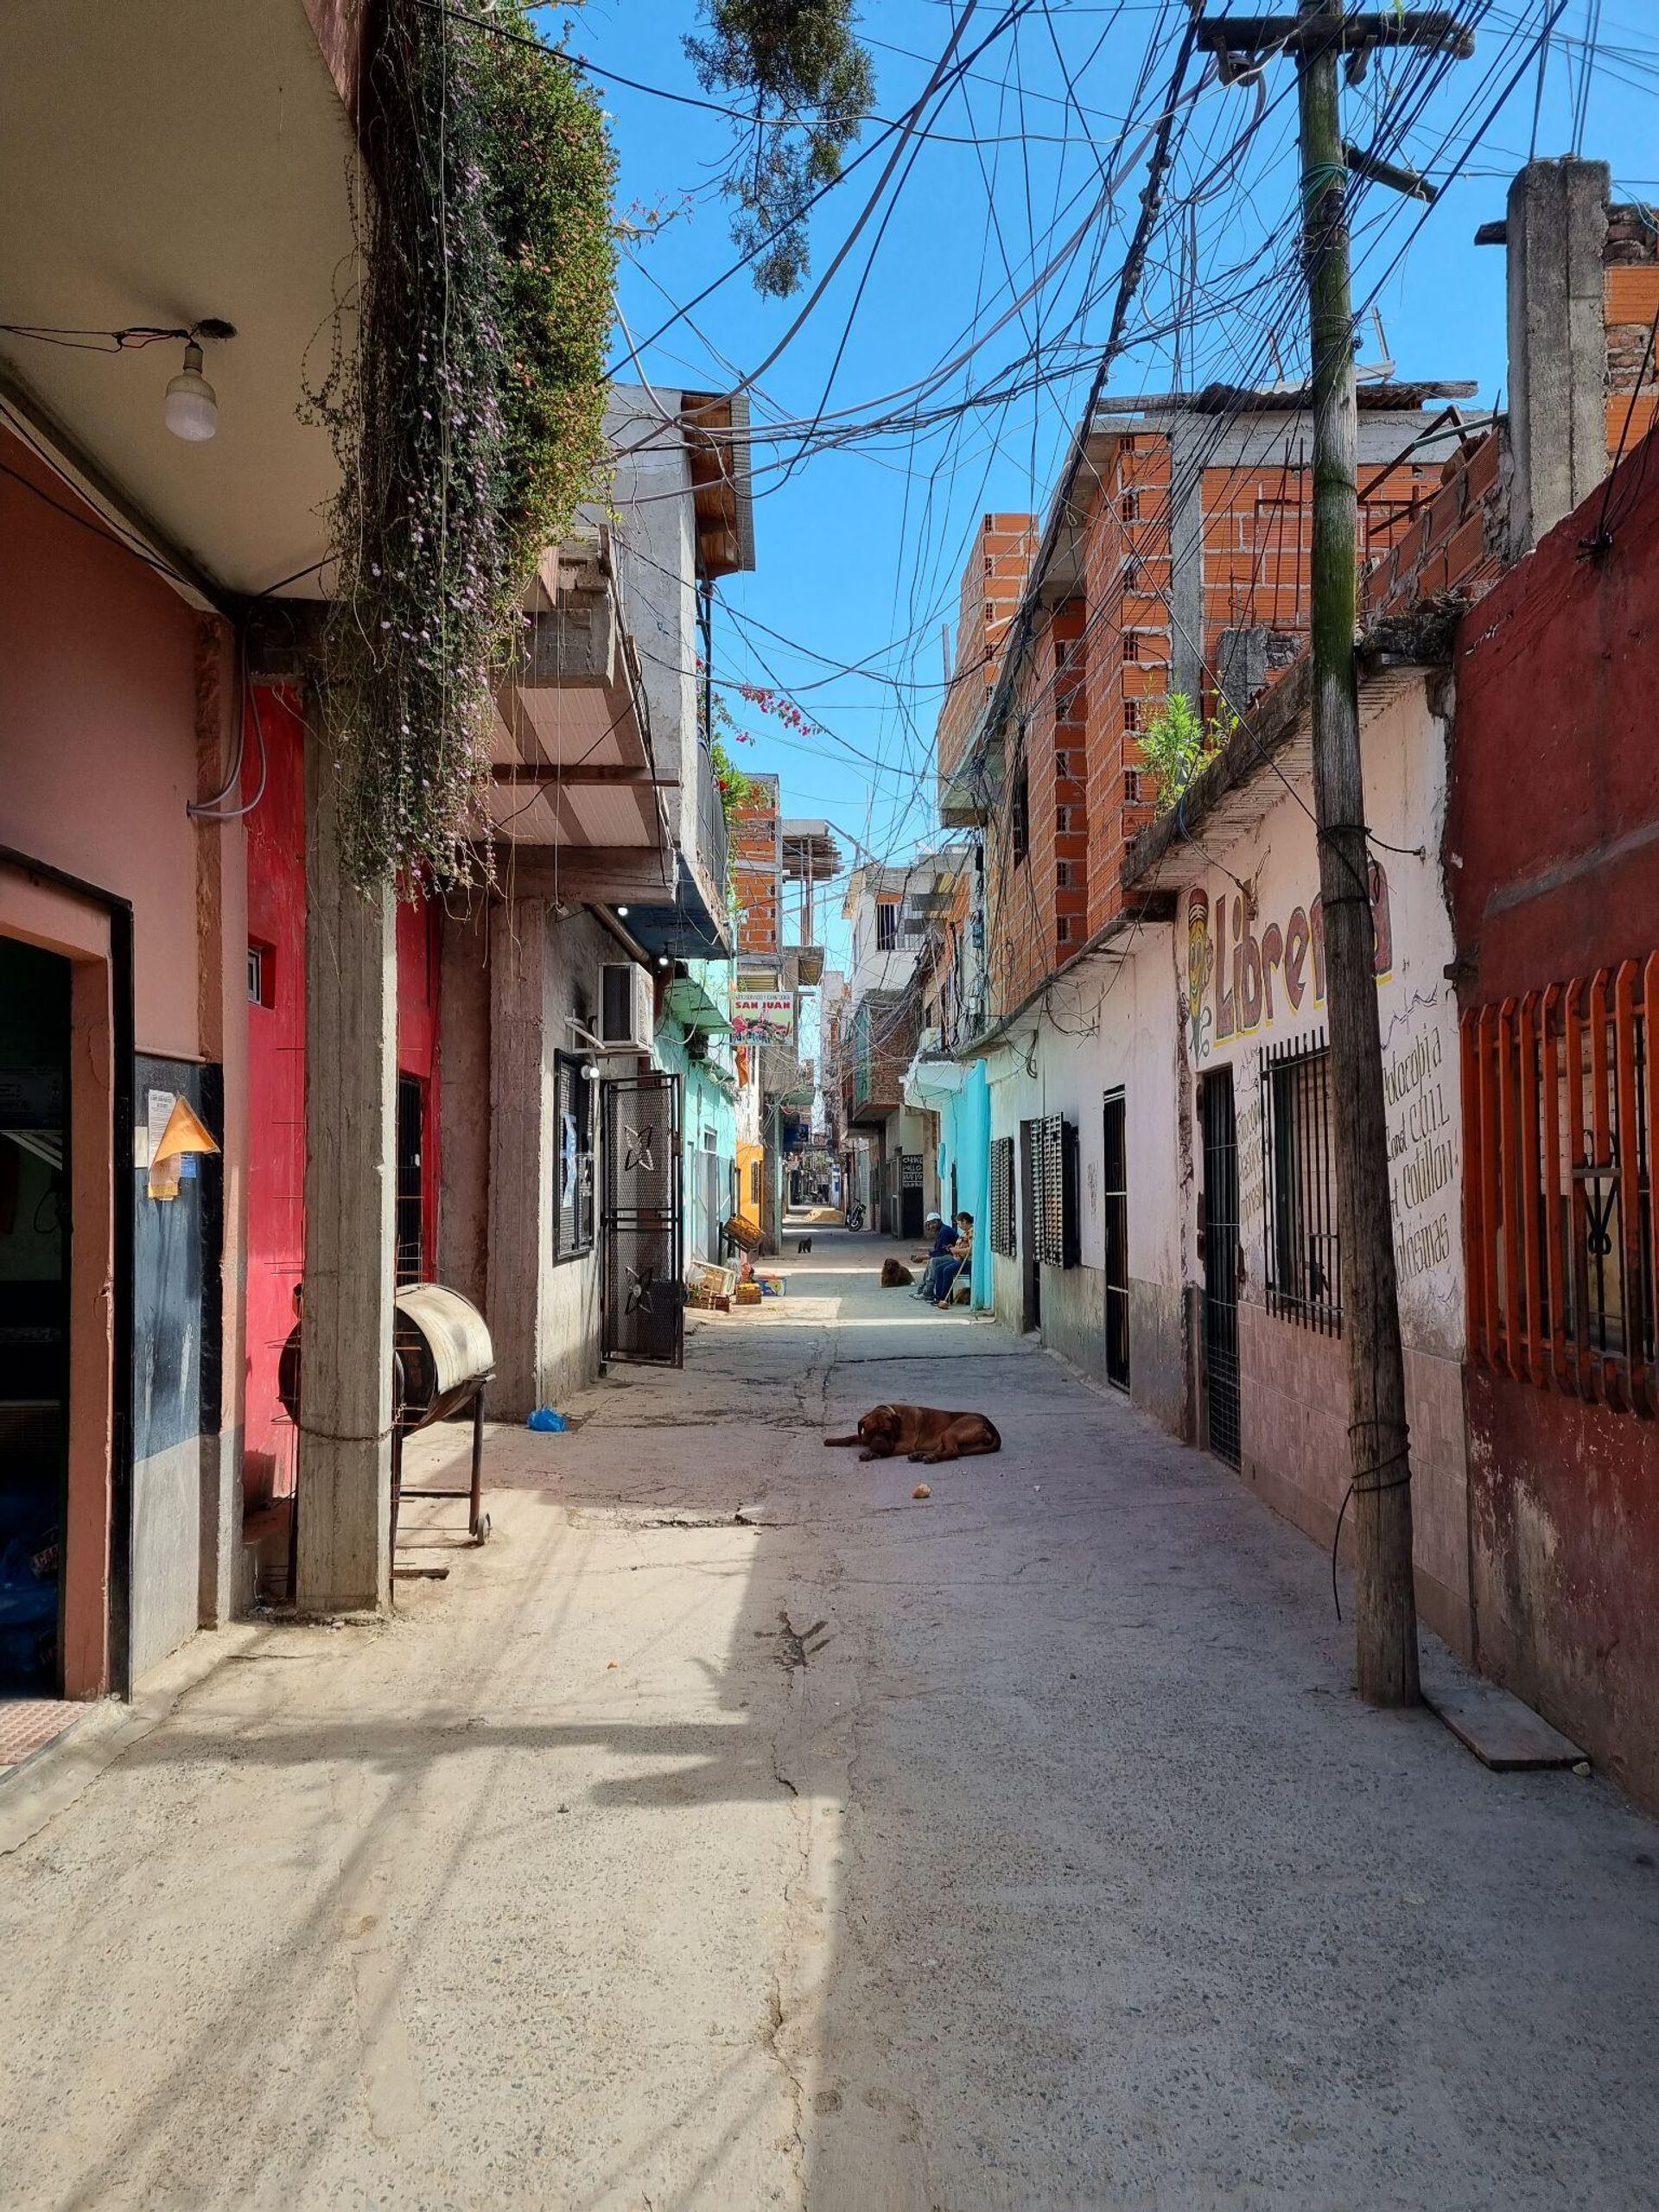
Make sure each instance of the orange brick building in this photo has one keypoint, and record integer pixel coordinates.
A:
(1175, 560)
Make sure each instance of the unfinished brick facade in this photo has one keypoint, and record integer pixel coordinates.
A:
(758, 871)
(1121, 618)
(992, 584)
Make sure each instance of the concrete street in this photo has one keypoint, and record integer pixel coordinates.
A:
(733, 1831)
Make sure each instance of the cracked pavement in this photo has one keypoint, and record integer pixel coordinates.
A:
(734, 1830)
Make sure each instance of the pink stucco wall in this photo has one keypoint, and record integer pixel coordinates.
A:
(97, 698)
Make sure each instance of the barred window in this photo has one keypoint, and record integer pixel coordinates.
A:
(1558, 1178)
(1131, 716)
(572, 1222)
(1054, 1177)
(1062, 930)
(1131, 645)
(1304, 1252)
(1063, 875)
(1003, 1196)
(886, 925)
(1019, 814)
(1128, 506)
(1131, 787)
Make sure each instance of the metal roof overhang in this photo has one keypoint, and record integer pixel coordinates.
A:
(692, 1007)
(160, 164)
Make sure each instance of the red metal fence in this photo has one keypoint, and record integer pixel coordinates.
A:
(1560, 1103)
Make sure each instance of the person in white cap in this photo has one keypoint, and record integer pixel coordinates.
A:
(941, 1237)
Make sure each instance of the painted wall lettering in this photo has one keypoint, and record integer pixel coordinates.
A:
(1237, 970)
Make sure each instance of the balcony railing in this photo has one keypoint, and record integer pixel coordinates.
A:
(712, 853)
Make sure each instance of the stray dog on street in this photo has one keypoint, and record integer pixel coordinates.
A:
(895, 1274)
(921, 1433)
(803, 1244)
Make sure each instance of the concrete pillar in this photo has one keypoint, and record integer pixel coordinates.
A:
(521, 1152)
(351, 977)
(222, 1026)
(1556, 233)
(1191, 442)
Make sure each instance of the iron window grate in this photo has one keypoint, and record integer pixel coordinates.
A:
(1003, 1196)
(1303, 1247)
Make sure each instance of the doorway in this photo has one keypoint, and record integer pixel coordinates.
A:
(911, 1194)
(411, 1180)
(1115, 1198)
(1218, 1233)
(35, 1011)
(1031, 1278)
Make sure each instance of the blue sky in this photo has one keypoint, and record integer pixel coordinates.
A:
(861, 546)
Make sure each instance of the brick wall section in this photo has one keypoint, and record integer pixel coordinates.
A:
(998, 563)
(756, 872)
(1631, 256)
(1454, 541)
(1126, 583)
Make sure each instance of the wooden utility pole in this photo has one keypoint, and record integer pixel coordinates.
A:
(1323, 37)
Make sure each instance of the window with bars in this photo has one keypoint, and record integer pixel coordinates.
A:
(1304, 1252)
(1063, 928)
(1559, 1104)
(1131, 787)
(573, 1220)
(1003, 1196)
(1054, 1191)
(1063, 875)
(1019, 814)
(1128, 506)
(886, 925)
(1063, 821)
(1131, 645)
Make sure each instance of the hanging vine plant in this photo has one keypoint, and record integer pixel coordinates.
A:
(465, 398)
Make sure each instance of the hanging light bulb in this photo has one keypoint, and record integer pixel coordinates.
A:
(190, 407)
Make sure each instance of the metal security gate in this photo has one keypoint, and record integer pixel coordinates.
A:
(1221, 1251)
(1115, 1198)
(642, 1221)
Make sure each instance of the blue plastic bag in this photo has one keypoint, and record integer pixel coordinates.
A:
(547, 1418)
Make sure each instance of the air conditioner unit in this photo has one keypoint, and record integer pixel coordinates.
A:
(625, 1006)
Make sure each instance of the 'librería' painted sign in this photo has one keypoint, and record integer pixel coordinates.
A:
(1237, 971)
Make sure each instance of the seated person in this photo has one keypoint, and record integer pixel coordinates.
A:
(941, 1236)
(940, 1279)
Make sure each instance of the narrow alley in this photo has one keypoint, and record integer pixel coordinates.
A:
(735, 1828)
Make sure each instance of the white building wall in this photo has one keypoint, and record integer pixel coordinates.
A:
(1106, 1024)
(1233, 963)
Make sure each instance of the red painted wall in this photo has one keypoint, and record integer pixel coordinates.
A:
(1551, 834)
(276, 1067)
(275, 1080)
(1552, 848)
(97, 731)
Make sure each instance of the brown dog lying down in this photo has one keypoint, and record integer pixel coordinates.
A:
(921, 1433)
(895, 1274)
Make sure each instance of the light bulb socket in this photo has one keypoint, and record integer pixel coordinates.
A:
(190, 409)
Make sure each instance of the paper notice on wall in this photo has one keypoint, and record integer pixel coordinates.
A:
(176, 1136)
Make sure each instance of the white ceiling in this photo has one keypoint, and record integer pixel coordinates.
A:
(162, 161)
